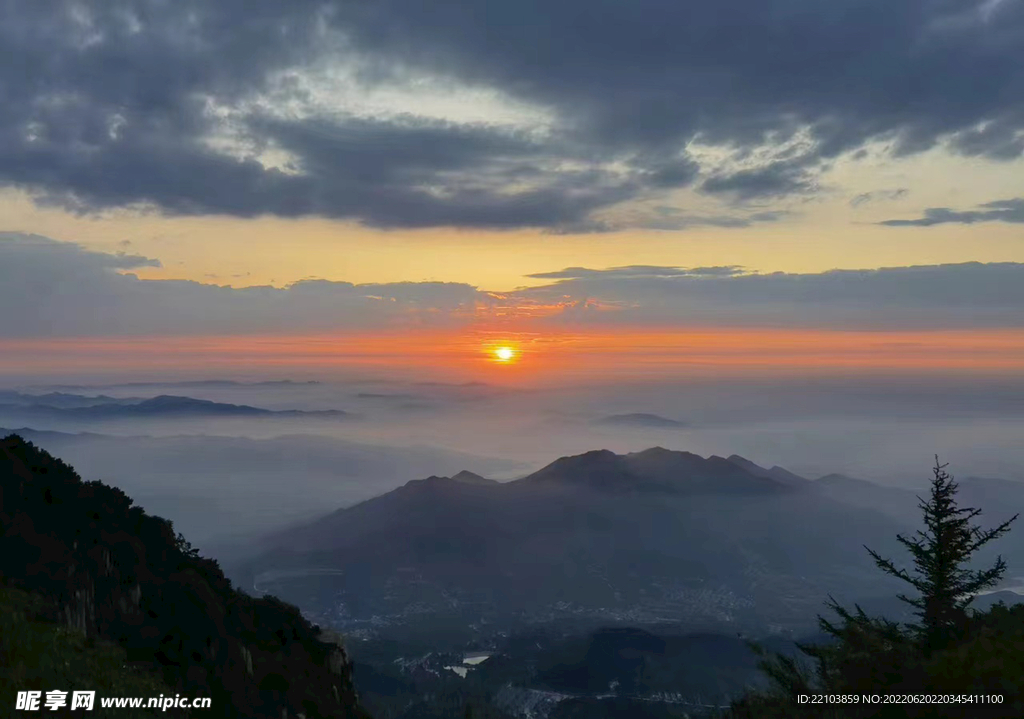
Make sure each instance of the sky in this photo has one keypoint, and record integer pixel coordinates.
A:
(610, 189)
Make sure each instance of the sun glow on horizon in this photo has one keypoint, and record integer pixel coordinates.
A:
(505, 354)
(553, 355)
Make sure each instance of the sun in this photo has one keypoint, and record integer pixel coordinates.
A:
(504, 354)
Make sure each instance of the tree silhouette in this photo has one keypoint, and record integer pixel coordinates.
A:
(949, 650)
(941, 553)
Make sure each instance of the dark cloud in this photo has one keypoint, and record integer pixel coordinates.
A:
(1000, 139)
(638, 272)
(109, 105)
(926, 297)
(415, 173)
(50, 288)
(140, 102)
(384, 174)
(671, 173)
(21, 252)
(780, 178)
(673, 218)
(879, 195)
(998, 211)
(650, 73)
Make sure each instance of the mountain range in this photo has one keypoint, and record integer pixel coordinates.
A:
(60, 406)
(63, 400)
(217, 383)
(649, 537)
(643, 567)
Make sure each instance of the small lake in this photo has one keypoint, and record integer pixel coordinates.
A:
(468, 662)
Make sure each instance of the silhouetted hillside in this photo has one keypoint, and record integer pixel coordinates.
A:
(111, 571)
(642, 538)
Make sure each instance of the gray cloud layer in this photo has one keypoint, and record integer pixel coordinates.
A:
(50, 288)
(964, 296)
(114, 103)
(998, 211)
(637, 272)
(56, 289)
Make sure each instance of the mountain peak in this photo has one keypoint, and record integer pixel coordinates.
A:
(467, 477)
(171, 400)
(597, 468)
(660, 452)
(777, 473)
(435, 482)
(653, 470)
(596, 458)
(426, 481)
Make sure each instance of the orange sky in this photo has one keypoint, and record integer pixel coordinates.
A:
(554, 356)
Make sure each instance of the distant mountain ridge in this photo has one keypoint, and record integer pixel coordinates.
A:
(471, 478)
(62, 400)
(640, 420)
(185, 383)
(156, 407)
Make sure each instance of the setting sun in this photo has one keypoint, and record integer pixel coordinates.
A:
(505, 354)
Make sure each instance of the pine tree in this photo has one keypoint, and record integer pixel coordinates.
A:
(874, 654)
(941, 553)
